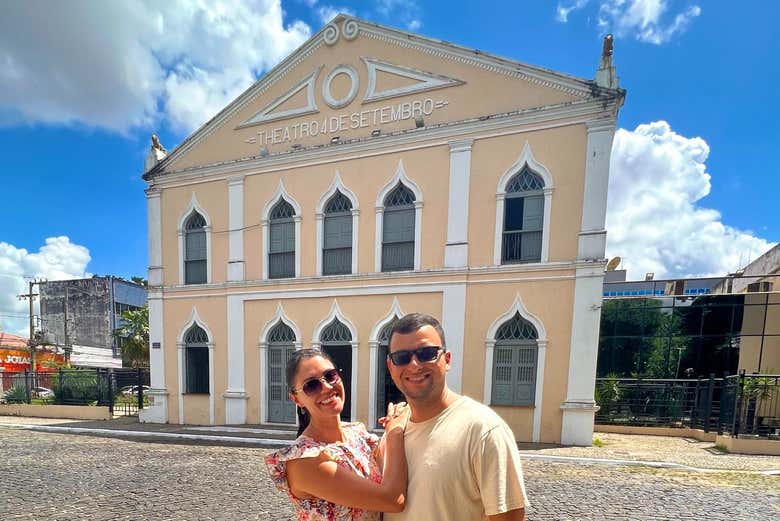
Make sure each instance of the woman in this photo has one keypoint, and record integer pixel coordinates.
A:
(330, 472)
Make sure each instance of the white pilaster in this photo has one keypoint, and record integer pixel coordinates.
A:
(454, 321)
(373, 369)
(580, 407)
(157, 412)
(593, 236)
(456, 251)
(235, 268)
(154, 222)
(235, 395)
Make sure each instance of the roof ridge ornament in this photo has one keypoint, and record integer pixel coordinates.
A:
(156, 153)
(606, 75)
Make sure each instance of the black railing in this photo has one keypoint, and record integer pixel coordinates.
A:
(737, 405)
(123, 391)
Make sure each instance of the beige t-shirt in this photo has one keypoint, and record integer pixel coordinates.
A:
(463, 465)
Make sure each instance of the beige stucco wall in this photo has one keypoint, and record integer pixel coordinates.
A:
(550, 302)
(465, 101)
(175, 202)
(491, 158)
(364, 312)
(177, 315)
(76, 412)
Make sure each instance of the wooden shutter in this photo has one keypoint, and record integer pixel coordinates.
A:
(338, 231)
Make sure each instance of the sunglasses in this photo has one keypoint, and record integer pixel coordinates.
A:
(313, 386)
(424, 355)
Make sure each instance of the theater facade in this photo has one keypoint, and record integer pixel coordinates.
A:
(370, 174)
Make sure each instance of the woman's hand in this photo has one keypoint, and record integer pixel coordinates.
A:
(397, 417)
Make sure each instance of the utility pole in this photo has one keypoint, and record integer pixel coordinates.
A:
(67, 338)
(31, 342)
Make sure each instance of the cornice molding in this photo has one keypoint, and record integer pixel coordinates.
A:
(541, 118)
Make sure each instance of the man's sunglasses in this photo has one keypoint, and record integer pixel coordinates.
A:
(313, 386)
(423, 355)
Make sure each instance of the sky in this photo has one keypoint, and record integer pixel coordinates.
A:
(694, 185)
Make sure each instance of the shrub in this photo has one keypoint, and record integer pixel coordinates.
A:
(16, 394)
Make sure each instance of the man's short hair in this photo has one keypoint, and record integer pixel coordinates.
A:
(414, 321)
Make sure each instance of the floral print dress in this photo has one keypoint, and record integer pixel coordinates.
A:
(355, 454)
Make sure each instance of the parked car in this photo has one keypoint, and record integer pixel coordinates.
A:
(132, 390)
(41, 392)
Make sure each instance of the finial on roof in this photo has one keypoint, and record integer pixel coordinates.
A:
(156, 153)
(606, 75)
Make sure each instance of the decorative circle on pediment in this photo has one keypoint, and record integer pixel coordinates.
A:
(331, 34)
(350, 29)
(353, 89)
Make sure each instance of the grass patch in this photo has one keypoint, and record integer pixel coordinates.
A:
(598, 443)
(722, 448)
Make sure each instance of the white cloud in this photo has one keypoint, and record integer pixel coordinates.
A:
(406, 13)
(328, 12)
(646, 20)
(654, 219)
(58, 259)
(122, 65)
(563, 9)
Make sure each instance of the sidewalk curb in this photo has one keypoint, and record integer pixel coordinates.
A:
(115, 433)
(266, 442)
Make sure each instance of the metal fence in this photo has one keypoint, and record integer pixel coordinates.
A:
(744, 404)
(123, 391)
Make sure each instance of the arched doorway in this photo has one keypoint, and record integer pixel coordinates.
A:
(281, 346)
(386, 391)
(335, 340)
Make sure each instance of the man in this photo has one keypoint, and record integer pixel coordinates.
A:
(462, 457)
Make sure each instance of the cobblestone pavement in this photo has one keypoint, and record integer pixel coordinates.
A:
(59, 476)
(683, 451)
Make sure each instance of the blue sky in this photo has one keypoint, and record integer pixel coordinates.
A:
(80, 97)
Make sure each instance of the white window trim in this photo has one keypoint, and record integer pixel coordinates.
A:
(194, 206)
(490, 343)
(374, 361)
(337, 184)
(281, 193)
(280, 316)
(335, 312)
(181, 345)
(526, 158)
(400, 176)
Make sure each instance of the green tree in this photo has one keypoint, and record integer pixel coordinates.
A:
(140, 281)
(134, 335)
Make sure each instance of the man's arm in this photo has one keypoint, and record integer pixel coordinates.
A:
(512, 515)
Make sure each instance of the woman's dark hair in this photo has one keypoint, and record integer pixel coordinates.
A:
(414, 321)
(298, 356)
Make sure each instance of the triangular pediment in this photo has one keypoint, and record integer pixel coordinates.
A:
(355, 79)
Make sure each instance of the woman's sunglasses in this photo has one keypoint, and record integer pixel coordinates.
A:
(313, 386)
(423, 354)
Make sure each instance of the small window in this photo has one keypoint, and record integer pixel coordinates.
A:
(398, 230)
(195, 251)
(523, 219)
(514, 363)
(281, 251)
(337, 236)
(196, 361)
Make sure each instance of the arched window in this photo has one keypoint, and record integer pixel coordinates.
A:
(281, 346)
(195, 251)
(196, 361)
(387, 392)
(337, 239)
(514, 363)
(281, 244)
(523, 218)
(398, 230)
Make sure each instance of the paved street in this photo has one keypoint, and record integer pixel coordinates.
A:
(58, 476)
